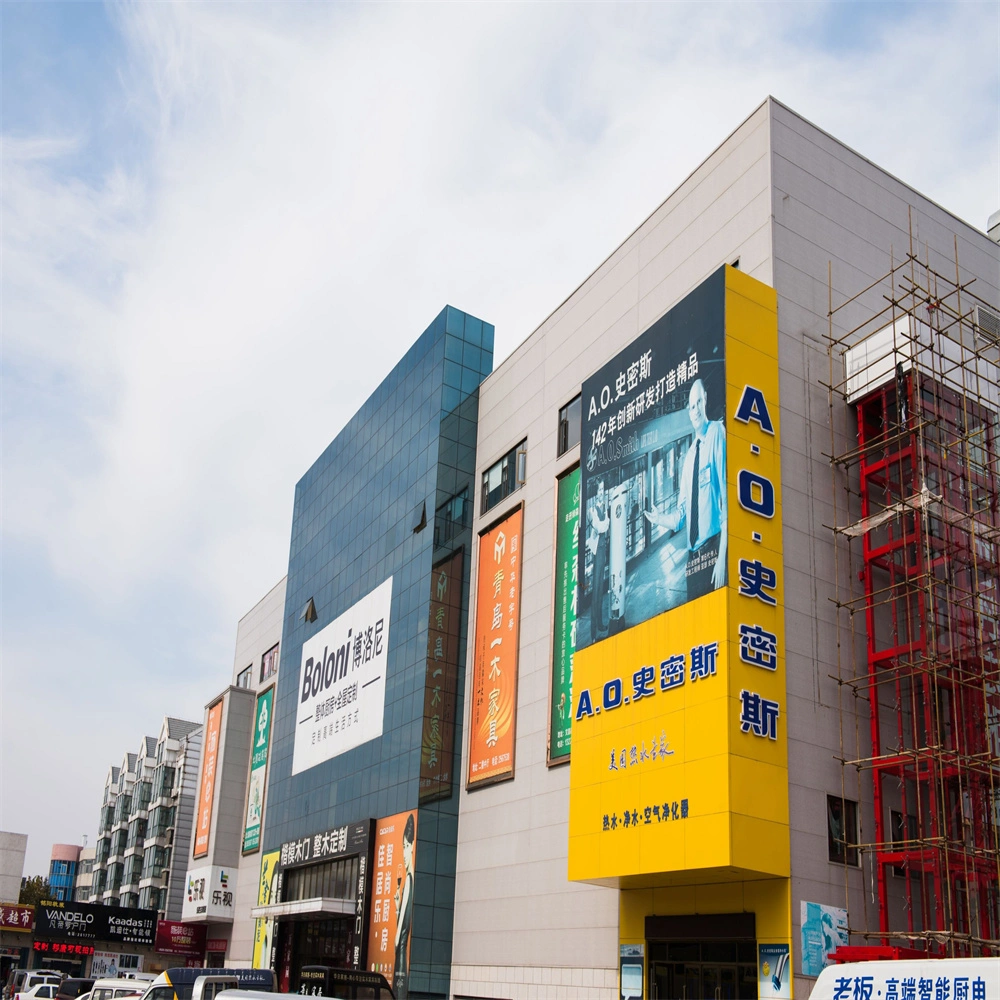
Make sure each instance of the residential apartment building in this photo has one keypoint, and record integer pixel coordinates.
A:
(145, 821)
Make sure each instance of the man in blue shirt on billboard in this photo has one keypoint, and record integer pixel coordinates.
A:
(702, 507)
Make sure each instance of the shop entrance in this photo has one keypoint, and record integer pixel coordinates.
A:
(707, 971)
(702, 957)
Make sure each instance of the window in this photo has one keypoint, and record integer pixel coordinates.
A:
(505, 476)
(569, 426)
(269, 663)
(243, 677)
(842, 830)
(451, 518)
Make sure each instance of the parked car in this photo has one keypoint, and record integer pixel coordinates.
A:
(111, 989)
(40, 991)
(26, 980)
(204, 984)
(70, 989)
(9, 983)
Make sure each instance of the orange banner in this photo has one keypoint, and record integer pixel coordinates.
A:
(494, 670)
(207, 794)
(437, 750)
(392, 899)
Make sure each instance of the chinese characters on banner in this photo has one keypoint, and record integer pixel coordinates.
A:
(440, 686)
(16, 918)
(654, 490)
(266, 893)
(341, 691)
(564, 622)
(258, 770)
(494, 679)
(176, 938)
(206, 796)
(392, 899)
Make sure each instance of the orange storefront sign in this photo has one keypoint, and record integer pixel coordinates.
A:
(494, 677)
(392, 899)
(206, 795)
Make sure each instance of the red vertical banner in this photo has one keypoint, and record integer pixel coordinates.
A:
(206, 795)
(392, 899)
(494, 670)
(437, 749)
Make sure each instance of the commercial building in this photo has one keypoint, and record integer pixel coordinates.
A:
(362, 810)
(733, 700)
(223, 860)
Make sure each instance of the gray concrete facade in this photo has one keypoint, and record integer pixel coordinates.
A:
(13, 847)
(786, 200)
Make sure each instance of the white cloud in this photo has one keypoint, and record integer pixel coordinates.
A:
(184, 334)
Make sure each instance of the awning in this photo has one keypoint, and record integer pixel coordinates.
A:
(319, 906)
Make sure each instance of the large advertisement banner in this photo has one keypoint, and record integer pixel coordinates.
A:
(437, 749)
(494, 669)
(341, 701)
(392, 899)
(266, 894)
(679, 758)
(206, 794)
(112, 964)
(824, 930)
(258, 771)
(94, 922)
(654, 499)
(564, 622)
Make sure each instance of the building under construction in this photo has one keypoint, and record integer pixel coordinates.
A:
(916, 520)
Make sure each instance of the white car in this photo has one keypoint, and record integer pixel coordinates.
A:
(40, 991)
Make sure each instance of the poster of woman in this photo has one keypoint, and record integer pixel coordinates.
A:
(392, 899)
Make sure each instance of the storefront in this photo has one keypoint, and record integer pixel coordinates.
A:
(72, 937)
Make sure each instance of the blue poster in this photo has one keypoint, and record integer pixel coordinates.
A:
(824, 929)
(774, 971)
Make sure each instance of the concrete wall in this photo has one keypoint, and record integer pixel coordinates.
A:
(519, 924)
(833, 206)
(12, 850)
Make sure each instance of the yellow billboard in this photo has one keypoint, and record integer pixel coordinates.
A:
(679, 760)
(266, 894)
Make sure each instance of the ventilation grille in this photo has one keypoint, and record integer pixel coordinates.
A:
(987, 325)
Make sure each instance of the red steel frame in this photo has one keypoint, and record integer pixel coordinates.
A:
(930, 577)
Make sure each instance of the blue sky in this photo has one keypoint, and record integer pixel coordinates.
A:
(214, 212)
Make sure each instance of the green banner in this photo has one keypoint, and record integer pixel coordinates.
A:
(258, 770)
(564, 625)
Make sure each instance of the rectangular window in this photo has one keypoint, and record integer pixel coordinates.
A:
(569, 426)
(842, 830)
(243, 677)
(269, 663)
(505, 476)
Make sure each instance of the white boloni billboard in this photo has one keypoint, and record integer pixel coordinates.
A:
(341, 693)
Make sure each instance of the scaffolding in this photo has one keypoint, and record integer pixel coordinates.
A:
(916, 539)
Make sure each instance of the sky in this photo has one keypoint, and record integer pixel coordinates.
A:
(222, 224)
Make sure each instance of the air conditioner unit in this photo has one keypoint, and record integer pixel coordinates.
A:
(987, 323)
